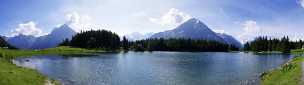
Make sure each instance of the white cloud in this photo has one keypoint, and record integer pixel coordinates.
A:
(73, 18)
(139, 14)
(250, 30)
(28, 28)
(80, 22)
(171, 18)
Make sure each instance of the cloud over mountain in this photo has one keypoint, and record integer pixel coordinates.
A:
(28, 28)
(73, 18)
(173, 17)
(80, 22)
(250, 30)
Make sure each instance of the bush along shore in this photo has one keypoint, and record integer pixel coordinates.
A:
(11, 74)
(288, 74)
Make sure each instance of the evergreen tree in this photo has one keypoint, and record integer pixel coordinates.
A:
(267, 44)
(100, 39)
(181, 45)
(125, 43)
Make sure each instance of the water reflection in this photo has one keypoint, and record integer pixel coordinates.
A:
(156, 68)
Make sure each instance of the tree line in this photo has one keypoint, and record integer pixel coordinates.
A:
(160, 44)
(265, 43)
(100, 39)
(103, 39)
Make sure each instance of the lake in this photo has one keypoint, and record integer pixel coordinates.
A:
(156, 68)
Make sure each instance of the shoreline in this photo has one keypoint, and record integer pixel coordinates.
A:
(12, 74)
(290, 73)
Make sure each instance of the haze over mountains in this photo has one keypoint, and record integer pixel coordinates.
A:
(138, 36)
(193, 28)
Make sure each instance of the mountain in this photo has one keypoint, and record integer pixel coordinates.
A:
(230, 40)
(46, 41)
(193, 29)
(54, 38)
(22, 41)
(3, 42)
(138, 36)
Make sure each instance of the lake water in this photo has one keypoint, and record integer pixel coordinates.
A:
(156, 68)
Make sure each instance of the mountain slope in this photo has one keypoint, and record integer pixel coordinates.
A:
(47, 41)
(193, 29)
(3, 42)
(22, 41)
(54, 38)
(230, 40)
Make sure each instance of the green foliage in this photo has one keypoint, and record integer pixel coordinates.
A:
(288, 74)
(125, 43)
(298, 51)
(100, 39)
(181, 45)
(261, 44)
(11, 53)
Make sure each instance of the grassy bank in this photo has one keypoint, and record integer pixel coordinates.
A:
(288, 74)
(11, 54)
(10, 74)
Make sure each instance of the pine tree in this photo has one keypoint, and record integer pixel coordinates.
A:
(125, 43)
(100, 39)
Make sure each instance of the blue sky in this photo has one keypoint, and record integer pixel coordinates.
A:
(244, 19)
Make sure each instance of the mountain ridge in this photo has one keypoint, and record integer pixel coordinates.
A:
(195, 29)
(47, 41)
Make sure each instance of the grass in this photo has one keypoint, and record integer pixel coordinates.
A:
(298, 52)
(288, 74)
(10, 74)
(11, 54)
